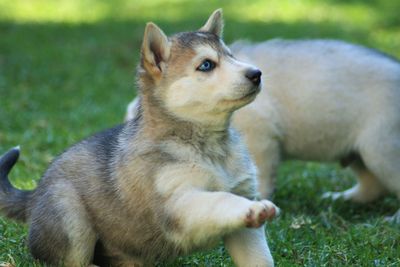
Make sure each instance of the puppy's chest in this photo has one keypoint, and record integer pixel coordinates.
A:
(224, 175)
(231, 171)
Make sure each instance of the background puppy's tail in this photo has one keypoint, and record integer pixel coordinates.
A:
(13, 202)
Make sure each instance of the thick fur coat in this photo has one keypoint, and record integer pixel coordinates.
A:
(174, 179)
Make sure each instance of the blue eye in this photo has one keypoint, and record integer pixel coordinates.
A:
(206, 66)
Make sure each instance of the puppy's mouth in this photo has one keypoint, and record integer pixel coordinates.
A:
(251, 94)
(244, 99)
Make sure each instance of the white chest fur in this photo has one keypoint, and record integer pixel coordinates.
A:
(213, 168)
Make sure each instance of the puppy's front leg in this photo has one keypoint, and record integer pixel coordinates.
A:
(204, 216)
(249, 248)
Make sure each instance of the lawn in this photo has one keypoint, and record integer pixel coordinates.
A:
(67, 70)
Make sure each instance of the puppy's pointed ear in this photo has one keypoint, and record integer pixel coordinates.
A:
(214, 24)
(155, 49)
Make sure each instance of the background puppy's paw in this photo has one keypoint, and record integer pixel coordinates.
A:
(259, 212)
(394, 219)
(333, 195)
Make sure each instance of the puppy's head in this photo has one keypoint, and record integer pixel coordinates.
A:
(193, 75)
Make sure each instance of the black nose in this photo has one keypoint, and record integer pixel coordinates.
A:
(254, 75)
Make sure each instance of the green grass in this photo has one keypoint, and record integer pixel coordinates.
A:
(67, 70)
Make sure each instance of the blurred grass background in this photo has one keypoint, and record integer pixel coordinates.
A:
(67, 70)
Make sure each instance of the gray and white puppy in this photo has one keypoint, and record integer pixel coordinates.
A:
(175, 179)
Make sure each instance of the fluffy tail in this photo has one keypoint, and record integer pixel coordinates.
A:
(13, 202)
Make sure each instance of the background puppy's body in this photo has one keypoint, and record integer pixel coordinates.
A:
(349, 85)
(326, 100)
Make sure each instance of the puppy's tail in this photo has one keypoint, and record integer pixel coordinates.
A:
(13, 202)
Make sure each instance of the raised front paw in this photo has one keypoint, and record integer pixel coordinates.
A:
(259, 212)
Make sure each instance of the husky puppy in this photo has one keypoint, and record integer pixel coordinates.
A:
(323, 100)
(173, 180)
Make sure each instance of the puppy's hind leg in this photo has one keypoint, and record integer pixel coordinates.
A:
(60, 232)
(366, 190)
(381, 155)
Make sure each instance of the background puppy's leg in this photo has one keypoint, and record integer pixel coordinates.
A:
(267, 158)
(381, 154)
(367, 189)
(60, 230)
(261, 139)
(248, 248)
(204, 216)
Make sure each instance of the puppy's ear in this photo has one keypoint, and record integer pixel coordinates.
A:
(155, 49)
(214, 24)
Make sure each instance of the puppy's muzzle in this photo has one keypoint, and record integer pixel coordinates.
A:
(254, 75)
